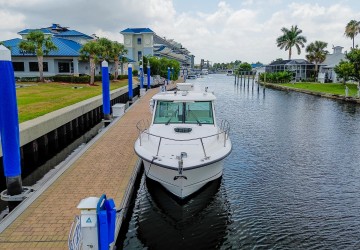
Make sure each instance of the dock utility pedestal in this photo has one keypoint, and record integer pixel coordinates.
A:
(98, 217)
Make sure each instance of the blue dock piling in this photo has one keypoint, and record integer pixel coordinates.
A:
(148, 76)
(9, 125)
(141, 77)
(105, 90)
(168, 75)
(130, 89)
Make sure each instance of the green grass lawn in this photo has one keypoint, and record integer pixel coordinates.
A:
(330, 88)
(42, 98)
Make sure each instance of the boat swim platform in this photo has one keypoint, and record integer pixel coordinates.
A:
(106, 165)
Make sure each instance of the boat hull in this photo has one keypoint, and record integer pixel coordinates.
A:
(187, 183)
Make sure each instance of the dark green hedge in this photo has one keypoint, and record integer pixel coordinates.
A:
(67, 78)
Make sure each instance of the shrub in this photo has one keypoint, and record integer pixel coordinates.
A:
(121, 77)
(72, 79)
(276, 77)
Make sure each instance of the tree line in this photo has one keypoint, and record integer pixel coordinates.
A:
(316, 51)
(95, 51)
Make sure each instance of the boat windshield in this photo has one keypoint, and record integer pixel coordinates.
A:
(169, 112)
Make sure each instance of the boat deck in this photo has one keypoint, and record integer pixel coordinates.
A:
(105, 167)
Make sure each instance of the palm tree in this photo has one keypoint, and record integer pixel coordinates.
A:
(91, 51)
(316, 53)
(37, 43)
(105, 48)
(352, 29)
(117, 49)
(291, 38)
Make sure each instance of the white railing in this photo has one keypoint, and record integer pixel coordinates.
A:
(75, 237)
(224, 129)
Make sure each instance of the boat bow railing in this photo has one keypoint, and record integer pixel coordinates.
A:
(223, 132)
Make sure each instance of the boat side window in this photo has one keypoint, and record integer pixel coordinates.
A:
(168, 112)
(199, 112)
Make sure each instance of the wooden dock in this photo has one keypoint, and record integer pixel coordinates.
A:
(104, 167)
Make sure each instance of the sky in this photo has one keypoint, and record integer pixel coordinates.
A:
(214, 30)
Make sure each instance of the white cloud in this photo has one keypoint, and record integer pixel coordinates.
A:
(10, 23)
(246, 31)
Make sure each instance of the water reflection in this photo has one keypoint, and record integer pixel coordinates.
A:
(164, 222)
(291, 181)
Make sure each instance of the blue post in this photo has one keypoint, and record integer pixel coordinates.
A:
(9, 124)
(172, 72)
(105, 89)
(130, 89)
(141, 77)
(168, 75)
(148, 75)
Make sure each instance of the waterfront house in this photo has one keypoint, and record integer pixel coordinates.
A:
(141, 42)
(300, 68)
(64, 61)
(326, 69)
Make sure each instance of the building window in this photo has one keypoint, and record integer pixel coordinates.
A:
(18, 66)
(139, 55)
(64, 67)
(34, 66)
(139, 41)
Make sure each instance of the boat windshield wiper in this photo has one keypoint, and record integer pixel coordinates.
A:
(167, 123)
(197, 120)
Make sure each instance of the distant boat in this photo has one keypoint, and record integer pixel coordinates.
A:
(191, 76)
(205, 71)
(230, 73)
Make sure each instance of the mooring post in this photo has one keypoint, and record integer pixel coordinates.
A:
(9, 127)
(172, 73)
(105, 90)
(130, 89)
(248, 75)
(235, 78)
(168, 75)
(253, 79)
(148, 75)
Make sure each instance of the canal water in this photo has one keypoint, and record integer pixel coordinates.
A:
(292, 180)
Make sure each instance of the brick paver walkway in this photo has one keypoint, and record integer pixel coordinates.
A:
(105, 168)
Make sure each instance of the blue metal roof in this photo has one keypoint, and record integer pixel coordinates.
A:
(27, 31)
(137, 30)
(256, 65)
(72, 33)
(65, 47)
(127, 59)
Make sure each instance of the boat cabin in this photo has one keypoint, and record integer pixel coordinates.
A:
(183, 107)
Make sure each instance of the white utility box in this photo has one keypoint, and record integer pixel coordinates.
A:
(89, 222)
(118, 109)
(142, 92)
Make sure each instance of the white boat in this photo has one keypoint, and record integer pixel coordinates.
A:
(183, 147)
(191, 76)
(230, 73)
